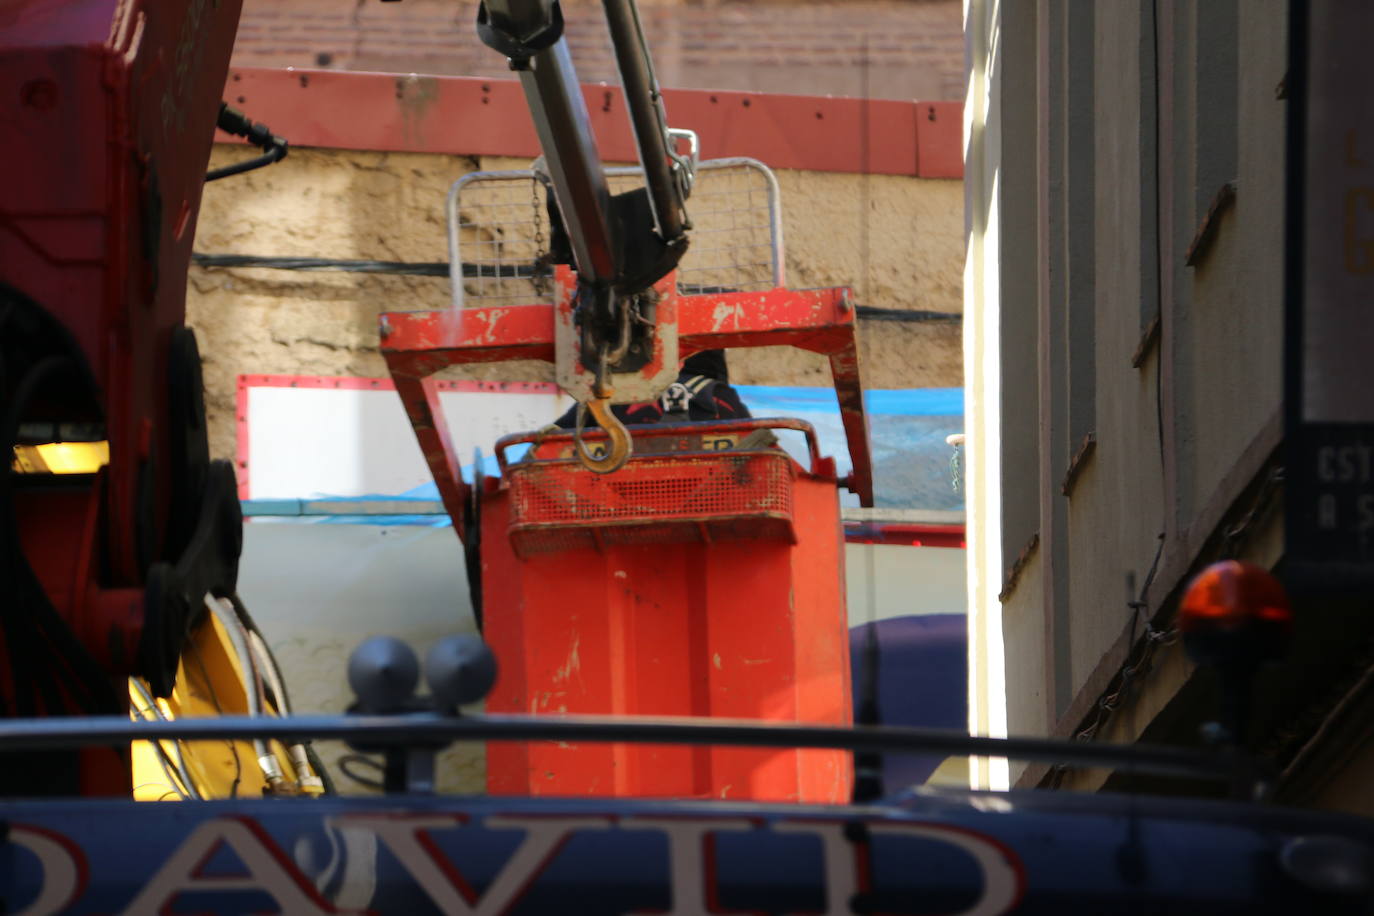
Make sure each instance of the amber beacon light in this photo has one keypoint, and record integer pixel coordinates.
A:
(1235, 616)
(1234, 612)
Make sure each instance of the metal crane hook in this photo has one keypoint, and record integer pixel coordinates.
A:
(619, 445)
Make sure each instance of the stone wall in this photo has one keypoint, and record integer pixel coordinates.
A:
(389, 206)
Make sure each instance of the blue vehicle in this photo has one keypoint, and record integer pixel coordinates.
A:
(911, 852)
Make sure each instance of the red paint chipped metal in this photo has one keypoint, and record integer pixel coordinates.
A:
(418, 344)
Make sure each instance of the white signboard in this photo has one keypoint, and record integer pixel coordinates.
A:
(303, 437)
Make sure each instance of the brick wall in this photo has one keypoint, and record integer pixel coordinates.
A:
(914, 48)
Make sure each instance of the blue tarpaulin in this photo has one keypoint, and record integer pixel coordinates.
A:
(913, 466)
(907, 430)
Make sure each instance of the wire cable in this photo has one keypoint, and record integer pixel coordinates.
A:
(368, 266)
(507, 272)
(179, 781)
(238, 638)
(151, 704)
(309, 770)
(348, 761)
(219, 708)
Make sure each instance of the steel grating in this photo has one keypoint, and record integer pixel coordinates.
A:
(557, 505)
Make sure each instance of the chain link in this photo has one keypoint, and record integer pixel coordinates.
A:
(541, 273)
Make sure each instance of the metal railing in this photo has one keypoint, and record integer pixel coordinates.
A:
(698, 429)
(430, 730)
(499, 232)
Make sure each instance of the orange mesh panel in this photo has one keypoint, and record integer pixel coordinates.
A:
(560, 505)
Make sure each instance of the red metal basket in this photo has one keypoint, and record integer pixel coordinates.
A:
(665, 496)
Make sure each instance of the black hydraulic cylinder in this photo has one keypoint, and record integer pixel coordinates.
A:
(519, 29)
(646, 114)
(528, 32)
(579, 181)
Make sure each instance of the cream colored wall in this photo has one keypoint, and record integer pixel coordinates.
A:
(389, 206)
(1023, 629)
(318, 591)
(1231, 367)
(987, 698)
(1116, 509)
(1224, 337)
(1227, 346)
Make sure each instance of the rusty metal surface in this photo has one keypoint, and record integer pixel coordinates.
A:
(820, 320)
(645, 383)
(849, 389)
(753, 627)
(701, 496)
(418, 344)
(421, 400)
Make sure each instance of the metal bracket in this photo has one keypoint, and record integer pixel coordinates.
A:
(571, 365)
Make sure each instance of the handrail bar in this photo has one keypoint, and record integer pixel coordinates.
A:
(667, 430)
(453, 201)
(430, 729)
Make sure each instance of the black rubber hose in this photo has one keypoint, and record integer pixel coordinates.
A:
(275, 154)
(310, 753)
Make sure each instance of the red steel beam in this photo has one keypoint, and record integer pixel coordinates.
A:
(421, 343)
(418, 344)
(849, 389)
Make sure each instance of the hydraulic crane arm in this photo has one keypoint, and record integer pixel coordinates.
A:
(618, 323)
(668, 184)
(608, 236)
(621, 245)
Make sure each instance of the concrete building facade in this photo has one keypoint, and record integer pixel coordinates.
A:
(1124, 315)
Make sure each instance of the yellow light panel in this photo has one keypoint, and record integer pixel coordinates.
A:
(62, 457)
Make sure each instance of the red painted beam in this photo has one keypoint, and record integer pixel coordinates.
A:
(906, 534)
(418, 344)
(483, 117)
(424, 342)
